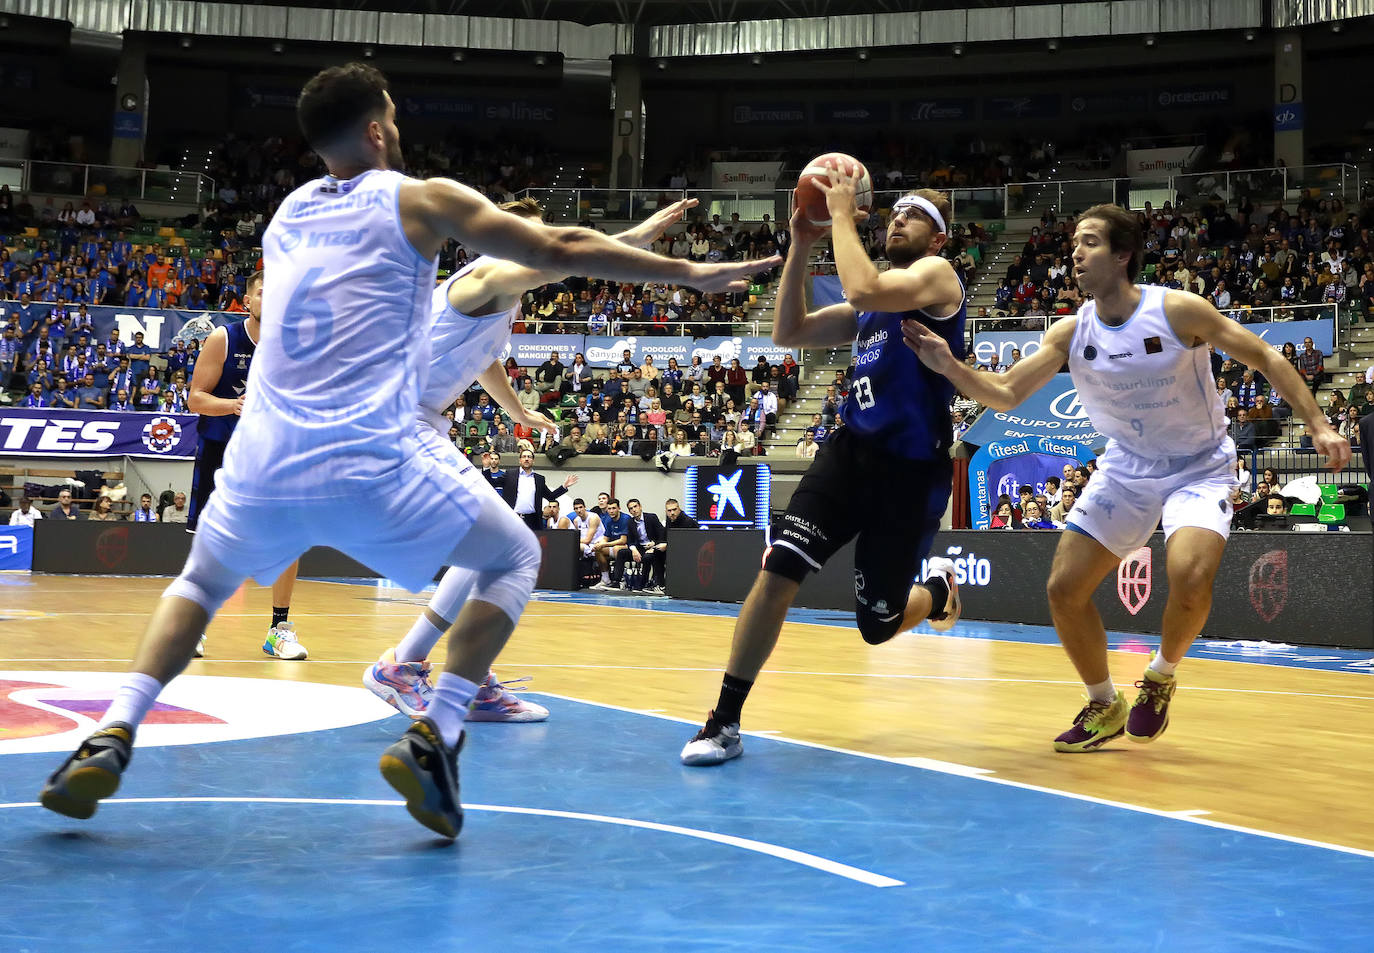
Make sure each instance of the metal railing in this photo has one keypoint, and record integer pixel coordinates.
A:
(113, 183)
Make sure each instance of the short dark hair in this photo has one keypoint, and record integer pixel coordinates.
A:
(1053, 479)
(1123, 234)
(337, 100)
(578, 501)
(612, 500)
(670, 500)
(632, 500)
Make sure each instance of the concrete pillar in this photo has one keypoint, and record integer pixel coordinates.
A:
(627, 124)
(130, 103)
(1288, 99)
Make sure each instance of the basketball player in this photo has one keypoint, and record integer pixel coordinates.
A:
(473, 314)
(1138, 356)
(553, 519)
(327, 453)
(217, 386)
(896, 441)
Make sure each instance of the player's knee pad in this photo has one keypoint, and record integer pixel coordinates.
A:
(786, 562)
(203, 581)
(877, 627)
(509, 586)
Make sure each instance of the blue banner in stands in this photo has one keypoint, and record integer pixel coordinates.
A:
(1053, 411)
(605, 352)
(41, 432)
(531, 350)
(995, 347)
(159, 327)
(1288, 117)
(1277, 333)
(826, 290)
(16, 548)
(1002, 467)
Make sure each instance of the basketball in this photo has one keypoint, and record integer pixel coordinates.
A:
(811, 200)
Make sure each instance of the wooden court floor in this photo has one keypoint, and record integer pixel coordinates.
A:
(1277, 749)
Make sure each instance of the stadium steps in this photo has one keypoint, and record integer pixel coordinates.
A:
(818, 370)
(1005, 247)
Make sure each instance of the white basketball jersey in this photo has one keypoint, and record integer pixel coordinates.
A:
(461, 347)
(1142, 386)
(345, 344)
(581, 525)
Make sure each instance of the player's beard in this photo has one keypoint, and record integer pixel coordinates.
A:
(395, 159)
(903, 253)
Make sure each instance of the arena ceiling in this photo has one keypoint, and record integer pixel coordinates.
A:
(646, 12)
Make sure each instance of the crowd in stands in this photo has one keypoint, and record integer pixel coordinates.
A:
(1252, 266)
(635, 409)
(106, 507)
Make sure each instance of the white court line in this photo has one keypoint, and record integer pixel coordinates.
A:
(824, 865)
(968, 771)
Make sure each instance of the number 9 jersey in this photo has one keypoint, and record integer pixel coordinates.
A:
(894, 399)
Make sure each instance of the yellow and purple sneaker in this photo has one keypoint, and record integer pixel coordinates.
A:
(1150, 714)
(1097, 724)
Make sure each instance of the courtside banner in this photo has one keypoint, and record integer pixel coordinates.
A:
(1001, 467)
(40, 432)
(606, 352)
(16, 548)
(1053, 411)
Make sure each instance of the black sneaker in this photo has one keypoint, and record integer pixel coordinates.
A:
(714, 743)
(91, 773)
(425, 772)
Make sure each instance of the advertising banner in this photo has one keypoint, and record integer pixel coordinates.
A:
(995, 347)
(16, 548)
(1288, 117)
(745, 176)
(43, 432)
(728, 497)
(1278, 333)
(268, 97)
(1001, 467)
(1259, 591)
(531, 350)
(1029, 106)
(1111, 101)
(1159, 163)
(159, 327)
(458, 109)
(606, 352)
(848, 112)
(768, 114)
(1053, 411)
(1195, 96)
(826, 290)
(14, 143)
(939, 110)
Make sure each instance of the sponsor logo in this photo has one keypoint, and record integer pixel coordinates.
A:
(725, 493)
(53, 711)
(727, 351)
(1269, 584)
(9, 544)
(612, 353)
(41, 435)
(1153, 346)
(969, 570)
(112, 546)
(706, 562)
(1117, 357)
(290, 239)
(1067, 405)
(1089, 353)
(161, 434)
(1133, 580)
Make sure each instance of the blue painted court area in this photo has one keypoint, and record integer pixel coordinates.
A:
(981, 866)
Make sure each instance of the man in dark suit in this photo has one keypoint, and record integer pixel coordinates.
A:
(526, 492)
(647, 543)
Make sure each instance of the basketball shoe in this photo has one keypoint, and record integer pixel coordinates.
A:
(1150, 714)
(944, 568)
(713, 744)
(1097, 724)
(282, 643)
(425, 772)
(91, 773)
(200, 646)
(404, 686)
(494, 703)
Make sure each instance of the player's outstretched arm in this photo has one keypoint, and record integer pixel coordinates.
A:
(1194, 317)
(998, 391)
(437, 209)
(209, 365)
(793, 325)
(643, 234)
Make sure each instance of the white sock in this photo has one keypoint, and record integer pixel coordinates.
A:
(1159, 665)
(419, 640)
(448, 709)
(1102, 691)
(131, 703)
(605, 577)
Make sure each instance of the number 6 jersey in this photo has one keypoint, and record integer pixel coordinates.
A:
(894, 399)
(346, 317)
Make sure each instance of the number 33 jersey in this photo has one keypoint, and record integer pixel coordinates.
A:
(1141, 386)
(894, 399)
(338, 372)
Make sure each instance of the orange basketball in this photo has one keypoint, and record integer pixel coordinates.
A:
(811, 200)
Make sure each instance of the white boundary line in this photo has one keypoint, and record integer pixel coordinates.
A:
(824, 865)
(968, 771)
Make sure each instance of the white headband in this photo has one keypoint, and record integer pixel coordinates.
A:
(925, 205)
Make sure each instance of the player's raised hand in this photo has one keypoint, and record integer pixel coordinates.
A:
(1334, 447)
(932, 349)
(804, 232)
(569, 480)
(729, 276)
(671, 215)
(841, 193)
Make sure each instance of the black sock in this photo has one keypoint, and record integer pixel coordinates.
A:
(939, 596)
(733, 692)
(279, 614)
